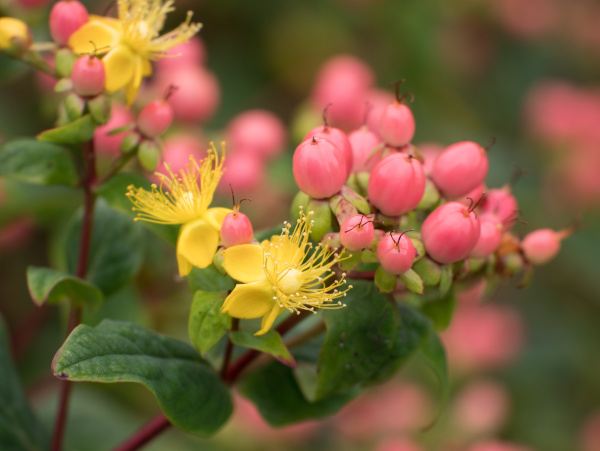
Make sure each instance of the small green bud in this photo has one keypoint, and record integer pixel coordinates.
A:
(300, 200)
(385, 281)
(130, 142)
(321, 218)
(148, 154)
(99, 108)
(430, 198)
(63, 85)
(74, 106)
(429, 271)
(413, 282)
(218, 262)
(64, 60)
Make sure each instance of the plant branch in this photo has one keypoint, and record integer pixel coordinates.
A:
(85, 241)
(153, 428)
(229, 349)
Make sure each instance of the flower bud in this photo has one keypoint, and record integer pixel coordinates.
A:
(321, 217)
(397, 184)
(450, 232)
(155, 118)
(88, 76)
(236, 229)
(319, 168)
(14, 34)
(460, 168)
(148, 154)
(65, 18)
(356, 232)
(396, 253)
(74, 106)
(397, 126)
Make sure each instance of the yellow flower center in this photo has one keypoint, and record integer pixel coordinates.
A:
(291, 281)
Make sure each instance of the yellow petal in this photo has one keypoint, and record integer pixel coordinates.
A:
(134, 84)
(93, 36)
(111, 22)
(244, 262)
(196, 245)
(146, 68)
(215, 216)
(269, 319)
(120, 65)
(250, 300)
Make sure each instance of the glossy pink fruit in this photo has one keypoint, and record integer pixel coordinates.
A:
(337, 137)
(88, 76)
(257, 131)
(541, 245)
(396, 253)
(450, 232)
(460, 168)
(176, 150)
(397, 184)
(236, 229)
(189, 53)
(356, 232)
(397, 126)
(319, 168)
(155, 118)
(65, 19)
(245, 171)
(489, 238)
(502, 204)
(363, 142)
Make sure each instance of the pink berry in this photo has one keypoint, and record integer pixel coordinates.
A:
(245, 171)
(502, 204)
(396, 184)
(460, 168)
(155, 118)
(489, 238)
(176, 150)
(236, 229)
(397, 126)
(257, 131)
(189, 53)
(337, 137)
(319, 168)
(66, 17)
(541, 245)
(429, 151)
(363, 142)
(110, 144)
(356, 232)
(396, 253)
(88, 76)
(450, 232)
(378, 100)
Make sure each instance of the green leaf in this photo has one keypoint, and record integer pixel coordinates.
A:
(19, 428)
(271, 343)
(275, 392)
(188, 391)
(52, 286)
(76, 132)
(413, 282)
(209, 279)
(360, 339)
(207, 324)
(435, 356)
(114, 192)
(116, 248)
(385, 281)
(445, 279)
(32, 161)
(440, 310)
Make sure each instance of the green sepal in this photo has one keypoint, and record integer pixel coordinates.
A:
(206, 324)
(301, 199)
(369, 254)
(148, 154)
(429, 271)
(99, 108)
(431, 197)
(321, 216)
(356, 199)
(76, 132)
(52, 286)
(413, 282)
(341, 208)
(418, 245)
(64, 59)
(32, 161)
(270, 343)
(385, 281)
(188, 391)
(63, 85)
(74, 106)
(218, 261)
(445, 279)
(351, 262)
(20, 430)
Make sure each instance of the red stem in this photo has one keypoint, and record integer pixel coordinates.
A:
(82, 261)
(153, 428)
(229, 349)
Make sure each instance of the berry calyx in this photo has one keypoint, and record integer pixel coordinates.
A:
(396, 253)
(236, 227)
(396, 184)
(450, 232)
(356, 232)
(88, 76)
(319, 168)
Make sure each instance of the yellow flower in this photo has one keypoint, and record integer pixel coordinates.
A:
(186, 202)
(10, 29)
(131, 41)
(285, 272)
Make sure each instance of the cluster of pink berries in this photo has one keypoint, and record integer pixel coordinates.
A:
(375, 181)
